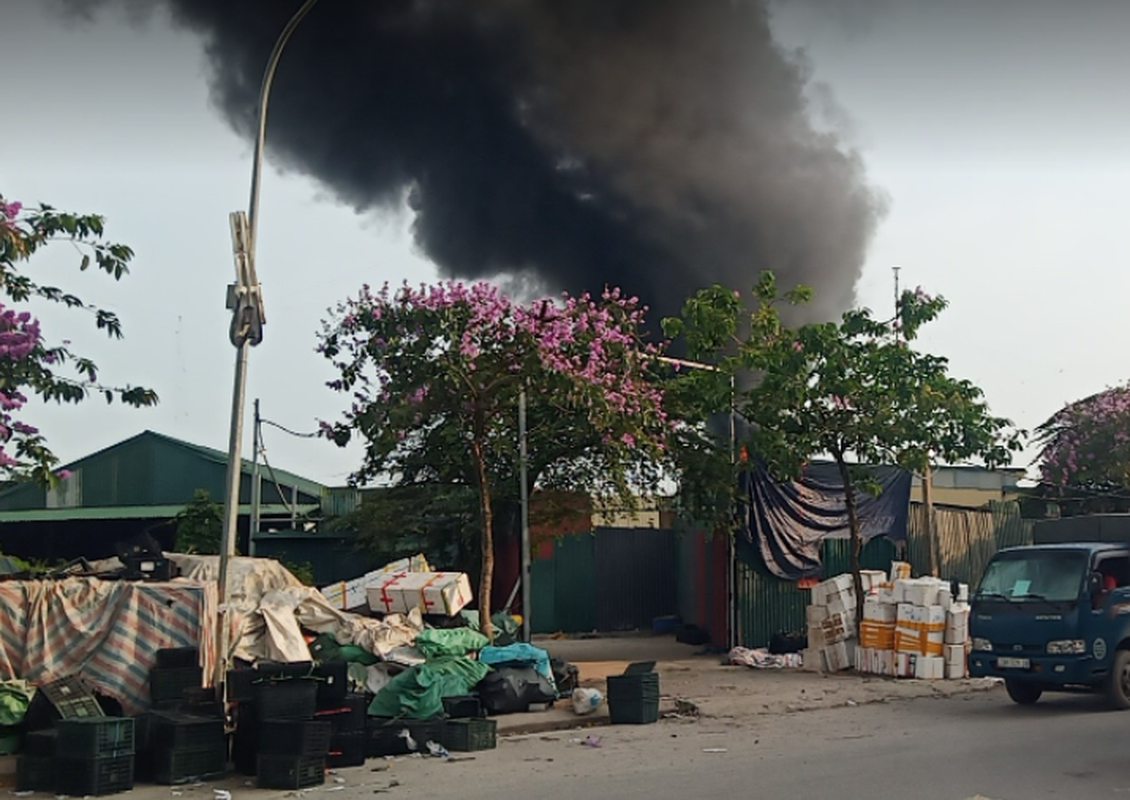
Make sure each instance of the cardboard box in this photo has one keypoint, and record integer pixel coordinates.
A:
(945, 596)
(905, 665)
(934, 617)
(352, 595)
(814, 615)
(811, 659)
(886, 594)
(816, 638)
(879, 612)
(930, 668)
(956, 672)
(899, 569)
(921, 592)
(879, 635)
(837, 657)
(908, 640)
(444, 593)
(872, 578)
(837, 628)
(962, 593)
(840, 603)
(957, 625)
(955, 654)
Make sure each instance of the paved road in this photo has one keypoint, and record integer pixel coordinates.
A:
(950, 749)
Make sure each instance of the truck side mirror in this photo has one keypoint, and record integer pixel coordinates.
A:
(1094, 584)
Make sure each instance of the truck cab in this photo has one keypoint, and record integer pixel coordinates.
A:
(1055, 617)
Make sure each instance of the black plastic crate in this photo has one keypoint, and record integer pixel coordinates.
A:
(41, 744)
(287, 699)
(333, 681)
(463, 706)
(349, 716)
(169, 684)
(384, 736)
(174, 657)
(66, 698)
(171, 730)
(347, 750)
(278, 670)
(279, 737)
(241, 684)
(79, 777)
(470, 735)
(172, 766)
(96, 737)
(290, 772)
(35, 773)
(245, 751)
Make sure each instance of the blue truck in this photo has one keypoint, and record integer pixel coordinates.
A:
(1055, 616)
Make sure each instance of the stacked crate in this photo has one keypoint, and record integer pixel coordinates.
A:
(186, 748)
(292, 753)
(347, 722)
(175, 678)
(467, 729)
(35, 766)
(94, 756)
(292, 699)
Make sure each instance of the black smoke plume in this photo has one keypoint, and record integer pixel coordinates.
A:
(658, 145)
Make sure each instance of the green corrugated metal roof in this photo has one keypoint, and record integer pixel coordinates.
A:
(154, 469)
(220, 457)
(129, 512)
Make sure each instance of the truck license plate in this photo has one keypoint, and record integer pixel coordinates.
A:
(1013, 663)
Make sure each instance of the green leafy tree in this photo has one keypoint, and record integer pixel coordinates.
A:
(854, 390)
(438, 371)
(28, 363)
(200, 525)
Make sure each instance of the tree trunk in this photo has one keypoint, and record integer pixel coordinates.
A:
(856, 536)
(486, 575)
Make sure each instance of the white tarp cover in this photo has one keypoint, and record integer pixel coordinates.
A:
(269, 607)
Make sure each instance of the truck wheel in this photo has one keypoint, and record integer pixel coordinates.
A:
(1022, 692)
(1118, 682)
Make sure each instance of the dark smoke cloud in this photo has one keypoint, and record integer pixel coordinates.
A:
(659, 145)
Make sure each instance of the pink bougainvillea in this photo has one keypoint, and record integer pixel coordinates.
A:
(454, 356)
(1087, 443)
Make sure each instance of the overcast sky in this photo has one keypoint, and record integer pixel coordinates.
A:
(997, 129)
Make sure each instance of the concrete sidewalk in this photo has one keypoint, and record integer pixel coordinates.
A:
(717, 690)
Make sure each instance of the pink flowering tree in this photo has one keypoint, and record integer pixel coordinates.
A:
(434, 376)
(855, 390)
(29, 364)
(1085, 453)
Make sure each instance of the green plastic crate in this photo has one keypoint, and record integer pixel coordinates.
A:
(470, 735)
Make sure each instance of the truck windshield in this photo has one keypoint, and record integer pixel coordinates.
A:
(1055, 576)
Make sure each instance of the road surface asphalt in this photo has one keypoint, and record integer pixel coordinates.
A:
(976, 745)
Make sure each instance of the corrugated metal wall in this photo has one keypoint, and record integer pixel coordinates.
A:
(968, 538)
(613, 579)
(767, 604)
(636, 577)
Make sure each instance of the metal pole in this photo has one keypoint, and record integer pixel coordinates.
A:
(734, 637)
(231, 507)
(524, 466)
(931, 534)
(264, 97)
(231, 501)
(256, 482)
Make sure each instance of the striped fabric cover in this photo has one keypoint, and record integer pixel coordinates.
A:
(108, 632)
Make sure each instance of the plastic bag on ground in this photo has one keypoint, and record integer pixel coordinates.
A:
(586, 701)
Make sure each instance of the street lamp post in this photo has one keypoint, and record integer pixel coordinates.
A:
(245, 299)
(731, 554)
